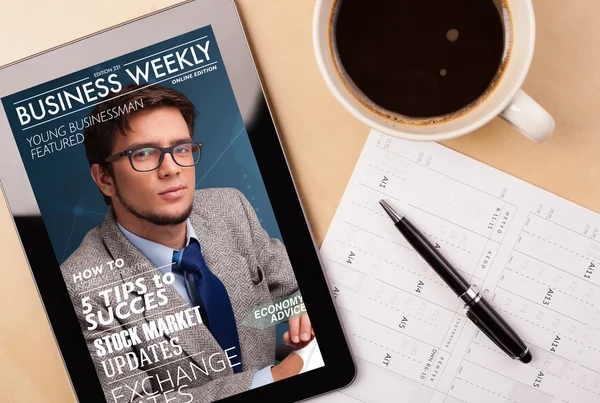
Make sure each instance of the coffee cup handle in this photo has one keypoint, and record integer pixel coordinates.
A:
(528, 117)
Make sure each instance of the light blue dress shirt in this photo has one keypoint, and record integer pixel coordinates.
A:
(162, 257)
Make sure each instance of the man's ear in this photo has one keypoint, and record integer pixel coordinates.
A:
(104, 180)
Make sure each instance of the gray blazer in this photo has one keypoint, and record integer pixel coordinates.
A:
(253, 267)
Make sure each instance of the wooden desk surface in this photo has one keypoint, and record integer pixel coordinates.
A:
(315, 131)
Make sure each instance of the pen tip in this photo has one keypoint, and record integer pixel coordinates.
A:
(526, 358)
(391, 212)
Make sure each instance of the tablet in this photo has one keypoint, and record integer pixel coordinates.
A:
(157, 212)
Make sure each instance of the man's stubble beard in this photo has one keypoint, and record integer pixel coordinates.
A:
(152, 218)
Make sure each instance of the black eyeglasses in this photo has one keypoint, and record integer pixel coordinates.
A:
(145, 158)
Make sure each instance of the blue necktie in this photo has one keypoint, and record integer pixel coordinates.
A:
(214, 302)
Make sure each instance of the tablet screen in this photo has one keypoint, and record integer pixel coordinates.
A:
(159, 219)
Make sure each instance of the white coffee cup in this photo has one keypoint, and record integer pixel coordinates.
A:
(506, 100)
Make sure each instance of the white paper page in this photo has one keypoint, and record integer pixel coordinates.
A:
(533, 255)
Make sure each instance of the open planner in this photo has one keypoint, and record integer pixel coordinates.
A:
(533, 255)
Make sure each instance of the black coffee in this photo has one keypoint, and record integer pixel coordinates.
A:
(420, 58)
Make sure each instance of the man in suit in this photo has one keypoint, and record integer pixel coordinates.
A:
(169, 323)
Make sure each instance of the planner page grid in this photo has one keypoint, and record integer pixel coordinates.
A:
(531, 254)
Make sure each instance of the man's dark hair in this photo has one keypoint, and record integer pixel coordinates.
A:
(99, 138)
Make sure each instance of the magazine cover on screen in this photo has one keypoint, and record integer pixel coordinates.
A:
(158, 217)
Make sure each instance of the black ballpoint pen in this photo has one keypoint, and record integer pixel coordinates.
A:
(479, 310)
